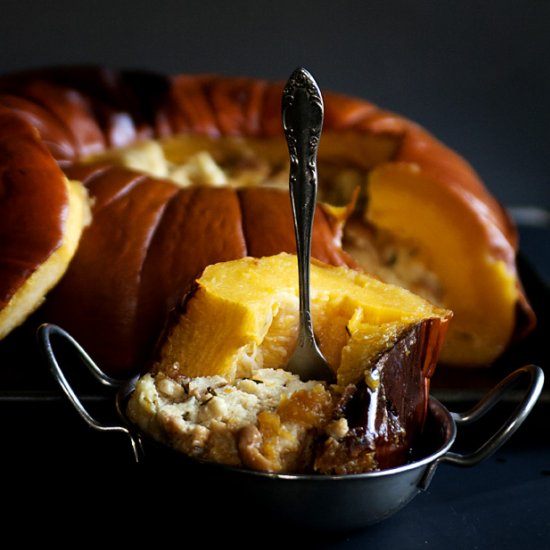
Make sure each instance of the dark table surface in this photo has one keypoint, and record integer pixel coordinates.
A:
(504, 502)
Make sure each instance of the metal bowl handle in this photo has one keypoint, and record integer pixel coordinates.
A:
(44, 335)
(515, 420)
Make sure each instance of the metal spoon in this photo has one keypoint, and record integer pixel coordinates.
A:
(302, 110)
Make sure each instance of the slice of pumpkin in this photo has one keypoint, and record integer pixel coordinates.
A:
(243, 315)
(43, 215)
(476, 275)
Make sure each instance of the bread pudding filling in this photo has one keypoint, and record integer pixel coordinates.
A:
(263, 422)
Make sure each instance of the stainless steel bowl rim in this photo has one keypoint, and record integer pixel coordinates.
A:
(442, 454)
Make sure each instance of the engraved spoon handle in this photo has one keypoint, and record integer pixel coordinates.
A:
(302, 109)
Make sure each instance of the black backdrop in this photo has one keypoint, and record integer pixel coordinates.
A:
(477, 74)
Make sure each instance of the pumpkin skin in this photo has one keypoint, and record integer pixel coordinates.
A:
(83, 111)
(43, 215)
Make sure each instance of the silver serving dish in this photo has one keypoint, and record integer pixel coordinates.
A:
(322, 502)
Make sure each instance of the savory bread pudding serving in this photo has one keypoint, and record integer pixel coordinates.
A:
(218, 389)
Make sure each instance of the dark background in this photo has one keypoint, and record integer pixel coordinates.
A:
(477, 74)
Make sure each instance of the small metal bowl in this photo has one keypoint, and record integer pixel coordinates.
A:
(320, 502)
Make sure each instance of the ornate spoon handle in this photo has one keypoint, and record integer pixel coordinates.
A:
(302, 109)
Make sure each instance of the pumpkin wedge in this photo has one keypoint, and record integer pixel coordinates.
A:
(476, 276)
(43, 216)
(243, 315)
